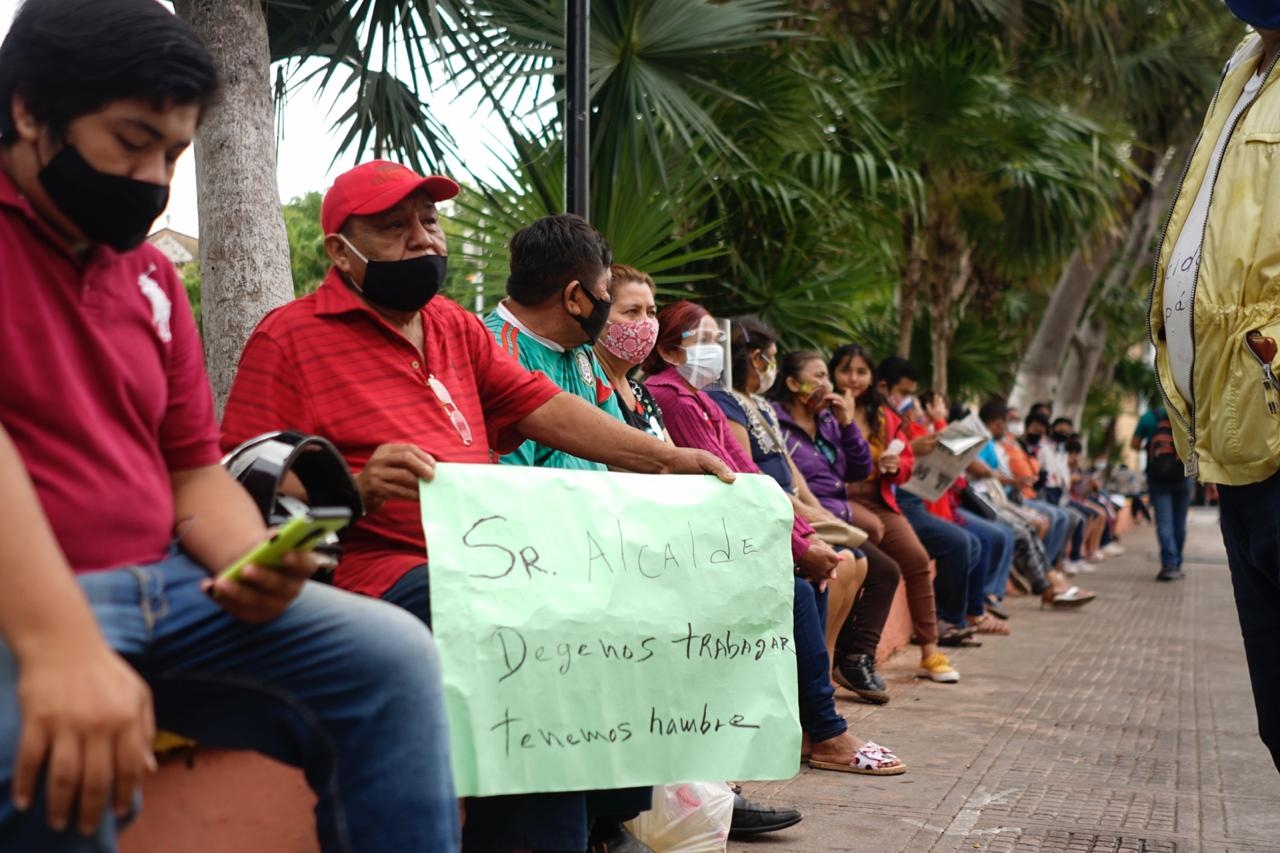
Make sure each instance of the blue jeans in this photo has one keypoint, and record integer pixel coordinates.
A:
(956, 553)
(997, 553)
(346, 688)
(818, 715)
(1060, 529)
(1171, 502)
(1251, 531)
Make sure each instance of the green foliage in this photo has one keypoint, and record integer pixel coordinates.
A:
(191, 283)
(786, 158)
(307, 257)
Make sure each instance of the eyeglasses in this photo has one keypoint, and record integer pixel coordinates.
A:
(704, 337)
(456, 417)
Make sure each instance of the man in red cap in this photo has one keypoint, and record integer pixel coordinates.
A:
(399, 378)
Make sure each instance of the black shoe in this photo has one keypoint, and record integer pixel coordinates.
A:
(753, 819)
(858, 673)
(619, 841)
(996, 608)
(1169, 573)
(1020, 580)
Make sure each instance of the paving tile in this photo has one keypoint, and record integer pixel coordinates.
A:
(1125, 726)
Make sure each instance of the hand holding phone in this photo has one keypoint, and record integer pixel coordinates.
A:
(298, 534)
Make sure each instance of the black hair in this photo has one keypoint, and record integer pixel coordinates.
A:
(1066, 421)
(1074, 446)
(1037, 418)
(552, 252)
(894, 369)
(68, 58)
(927, 398)
(958, 412)
(993, 410)
(870, 400)
(1045, 409)
(747, 336)
(789, 367)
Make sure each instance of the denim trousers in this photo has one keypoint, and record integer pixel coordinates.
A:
(955, 552)
(1060, 529)
(997, 555)
(344, 687)
(1171, 501)
(1251, 531)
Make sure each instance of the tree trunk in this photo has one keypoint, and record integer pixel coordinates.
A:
(949, 277)
(1038, 374)
(1080, 368)
(244, 251)
(1037, 378)
(909, 288)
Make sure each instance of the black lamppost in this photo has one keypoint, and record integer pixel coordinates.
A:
(577, 131)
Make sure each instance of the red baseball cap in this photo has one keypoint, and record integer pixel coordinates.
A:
(375, 186)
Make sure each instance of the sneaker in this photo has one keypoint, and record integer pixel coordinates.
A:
(1169, 573)
(936, 667)
(1113, 549)
(1074, 567)
(1087, 569)
(858, 673)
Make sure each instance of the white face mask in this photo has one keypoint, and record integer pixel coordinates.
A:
(1016, 429)
(703, 364)
(767, 378)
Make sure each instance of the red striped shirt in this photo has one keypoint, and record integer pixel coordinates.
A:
(327, 364)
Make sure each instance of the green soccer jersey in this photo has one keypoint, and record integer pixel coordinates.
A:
(574, 370)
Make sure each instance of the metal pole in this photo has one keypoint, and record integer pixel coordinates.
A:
(577, 131)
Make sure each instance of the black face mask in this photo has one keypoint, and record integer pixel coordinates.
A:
(405, 285)
(1060, 438)
(1032, 438)
(593, 324)
(109, 209)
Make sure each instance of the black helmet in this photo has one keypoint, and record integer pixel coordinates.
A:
(261, 463)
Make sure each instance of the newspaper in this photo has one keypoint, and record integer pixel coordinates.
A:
(958, 445)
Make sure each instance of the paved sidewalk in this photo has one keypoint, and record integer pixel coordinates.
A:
(1126, 726)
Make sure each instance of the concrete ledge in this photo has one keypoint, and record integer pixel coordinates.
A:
(226, 801)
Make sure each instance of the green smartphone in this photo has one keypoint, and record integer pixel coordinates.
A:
(297, 534)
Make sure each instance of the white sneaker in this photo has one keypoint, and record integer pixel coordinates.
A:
(1084, 568)
(1071, 568)
(1113, 549)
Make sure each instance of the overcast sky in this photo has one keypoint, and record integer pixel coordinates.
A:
(307, 146)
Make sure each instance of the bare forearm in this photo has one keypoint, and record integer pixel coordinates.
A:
(215, 517)
(42, 605)
(574, 426)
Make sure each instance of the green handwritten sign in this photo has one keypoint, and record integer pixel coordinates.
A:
(606, 630)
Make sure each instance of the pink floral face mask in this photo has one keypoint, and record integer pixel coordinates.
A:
(631, 342)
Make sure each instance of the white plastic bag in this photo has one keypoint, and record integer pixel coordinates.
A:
(690, 818)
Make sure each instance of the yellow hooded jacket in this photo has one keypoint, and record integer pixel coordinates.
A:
(1227, 433)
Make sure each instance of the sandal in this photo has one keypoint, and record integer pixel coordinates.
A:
(1070, 597)
(957, 636)
(871, 760)
(988, 625)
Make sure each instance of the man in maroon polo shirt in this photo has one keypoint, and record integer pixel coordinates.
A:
(398, 377)
(114, 511)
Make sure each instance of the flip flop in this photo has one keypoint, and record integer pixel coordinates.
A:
(868, 762)
(987, 625)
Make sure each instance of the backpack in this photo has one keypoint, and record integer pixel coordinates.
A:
(1163, 463)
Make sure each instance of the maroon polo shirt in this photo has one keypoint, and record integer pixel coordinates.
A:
(327, 364)
(104, 389)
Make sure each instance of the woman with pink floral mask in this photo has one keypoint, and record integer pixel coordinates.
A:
(626, 341)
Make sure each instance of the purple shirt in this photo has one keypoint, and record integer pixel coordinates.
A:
(848, 458)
